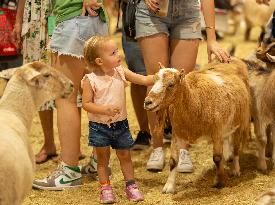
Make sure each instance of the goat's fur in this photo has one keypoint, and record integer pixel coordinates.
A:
(212, 102)
(30, 87)
(256, 15)
(267, 198)
(262, 86)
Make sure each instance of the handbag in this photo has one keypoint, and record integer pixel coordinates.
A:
(7, 21)
(129, 18)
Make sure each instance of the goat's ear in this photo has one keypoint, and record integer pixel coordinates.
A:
(8, 73)
(182, 74)
(160, 65)
(37, 65)
(33, 77)
(270, 57)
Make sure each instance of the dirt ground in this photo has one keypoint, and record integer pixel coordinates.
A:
(192, 189)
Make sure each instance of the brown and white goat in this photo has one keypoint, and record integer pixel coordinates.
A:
(262, 86)
(212, 102)
(30, 87)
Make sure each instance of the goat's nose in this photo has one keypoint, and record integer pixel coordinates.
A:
(147, 103)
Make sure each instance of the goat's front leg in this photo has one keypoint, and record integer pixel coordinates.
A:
(260, 131)
(170, 185)
(219, 162)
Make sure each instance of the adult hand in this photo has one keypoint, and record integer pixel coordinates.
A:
(16, 34)
(91, 7)
(214, 48)
(152, 5)
(263, 2)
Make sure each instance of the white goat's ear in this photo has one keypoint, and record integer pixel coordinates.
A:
(33, 77)
(37, 65)
(160, 65)
(8, 73)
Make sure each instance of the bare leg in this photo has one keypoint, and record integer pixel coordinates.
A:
(46, 118)
(126, 164)
(68, 119)
(149, 47)
(103, 157)
(180, 51)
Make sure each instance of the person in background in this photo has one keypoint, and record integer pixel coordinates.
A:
(77, 21)
(31, 33)
(134, 60)
(173, 40)
(105, 101)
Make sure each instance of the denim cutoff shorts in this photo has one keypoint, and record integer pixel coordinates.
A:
(69, 36)
(133, 55)
(117, 135)
(182, 22)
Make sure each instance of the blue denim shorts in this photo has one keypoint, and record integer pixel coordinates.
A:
(69, 36)
(117, 135)
(182, 22)
(133, 55)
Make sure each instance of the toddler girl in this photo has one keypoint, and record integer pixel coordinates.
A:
(104, 100)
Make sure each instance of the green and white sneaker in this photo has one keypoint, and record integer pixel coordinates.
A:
(64, 177)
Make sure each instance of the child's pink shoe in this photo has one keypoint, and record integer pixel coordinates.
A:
(107, 196)
(133, 193)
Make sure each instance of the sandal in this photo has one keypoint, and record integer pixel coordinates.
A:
(43, 157)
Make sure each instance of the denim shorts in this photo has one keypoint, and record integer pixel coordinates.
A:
(117, 135)
(133, 55)
(69, 36)
(182, 22)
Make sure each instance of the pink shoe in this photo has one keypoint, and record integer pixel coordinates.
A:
(133, 193)
(107, 196)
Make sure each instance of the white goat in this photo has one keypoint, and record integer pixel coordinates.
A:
(30, 87)
(213, 102)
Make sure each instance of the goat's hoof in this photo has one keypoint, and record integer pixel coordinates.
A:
(261, 166)
(233, 173)
(218, 185)
(168, 189)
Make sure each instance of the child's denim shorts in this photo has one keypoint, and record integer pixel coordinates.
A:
(117, 135)
(183, 20)
(69, 36)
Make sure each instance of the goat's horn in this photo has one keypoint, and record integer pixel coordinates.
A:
(160, 65)
(270, 57)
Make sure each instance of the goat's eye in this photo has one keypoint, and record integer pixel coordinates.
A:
(170, 85)
(47, 75)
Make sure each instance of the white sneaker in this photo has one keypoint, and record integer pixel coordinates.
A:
(185, 163)
(156, 160)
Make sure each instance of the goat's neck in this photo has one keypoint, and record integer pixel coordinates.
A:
(185, 94)
(18, 99)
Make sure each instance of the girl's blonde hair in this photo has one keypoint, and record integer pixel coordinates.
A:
(92, 49)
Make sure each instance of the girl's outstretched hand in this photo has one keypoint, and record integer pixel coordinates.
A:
(90, 7)
(214, 48)
(112, 110)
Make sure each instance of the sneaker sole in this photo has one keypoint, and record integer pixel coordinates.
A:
(154, 169)
(55, 188)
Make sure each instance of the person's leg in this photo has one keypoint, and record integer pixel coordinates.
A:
(151, 47)
(68, 118)
(131, 190)
(181, 50)
(48, 149)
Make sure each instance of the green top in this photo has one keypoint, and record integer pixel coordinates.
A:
(67, 9)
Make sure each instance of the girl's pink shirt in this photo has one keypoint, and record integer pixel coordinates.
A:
(108, 90)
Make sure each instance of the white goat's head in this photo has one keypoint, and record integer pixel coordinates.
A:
(45, 82)
(164, 90)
